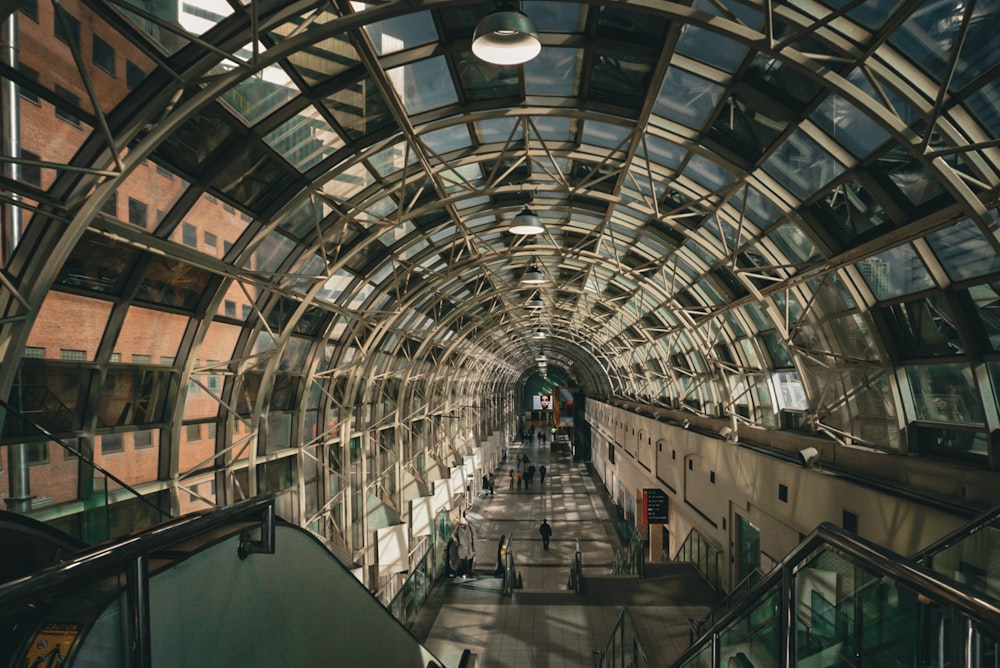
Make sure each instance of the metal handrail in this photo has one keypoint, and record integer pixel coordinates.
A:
(988, 518)
(918, 578)
(107, 560)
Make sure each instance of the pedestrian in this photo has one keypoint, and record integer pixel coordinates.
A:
(491, 484)
(531, 475)
(519, 478)
(486, 484)
(465, 540)
(546, 533)
(500, 558)
(541, 475)
(518, 460)
(511, 479)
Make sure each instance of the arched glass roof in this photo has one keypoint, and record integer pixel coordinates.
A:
(239, 230)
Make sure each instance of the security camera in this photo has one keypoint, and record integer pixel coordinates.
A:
(808, 457)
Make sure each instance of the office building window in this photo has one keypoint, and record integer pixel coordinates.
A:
(211, 241)
(143, 439)
(38, 453)
(167, 361)
(104, 55)
(34, 352)
(110, 205)
(163, 171)
(31, 174)
(67, 27)
(75, 355)
(212, 429)
(73, 100)
(137, 213)
(141, 359)
(246, 312)
(30, 9)
(31, 74)
(229, 308)
(850, 522)
(116, 358)
(133, 75)
(783, 493)
(193, 432)
(189, 235)
(112, 443)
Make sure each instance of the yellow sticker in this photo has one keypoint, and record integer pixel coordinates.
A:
(51, 645)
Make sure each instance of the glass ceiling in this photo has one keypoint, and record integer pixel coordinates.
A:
(784, 215)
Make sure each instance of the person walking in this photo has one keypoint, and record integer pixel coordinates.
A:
(518, 477)
(545, 531)
(491, 483)
(541, 475)
(465, 540)
(500, 558)
(511, 479)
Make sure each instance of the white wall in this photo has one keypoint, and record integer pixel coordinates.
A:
(650, 453)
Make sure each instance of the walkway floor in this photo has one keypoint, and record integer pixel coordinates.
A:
(544, 624)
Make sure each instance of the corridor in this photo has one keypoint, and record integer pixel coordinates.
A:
(543, 624)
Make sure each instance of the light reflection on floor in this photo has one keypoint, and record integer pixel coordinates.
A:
(543, 624)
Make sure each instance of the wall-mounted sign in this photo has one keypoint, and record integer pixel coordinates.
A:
(655, 506)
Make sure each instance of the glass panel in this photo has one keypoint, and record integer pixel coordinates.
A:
(686, 98)
(483, 81)
(305, 139)
(964, 251)
(402, 32)
(945, 393)
(359, 109)
(848, 125)
(255, 97)
(153, 336)
(620, 78)
(986, 300)
(753, 639)
(924, 328)
(132, 395)
(555, 71)
(69, 327)
(802, 165)
(435, 87)
(323, 59)
(896, 272)
(173, 283)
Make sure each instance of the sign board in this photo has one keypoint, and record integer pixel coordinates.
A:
(422, 515)
(393, 549)
(654, 506)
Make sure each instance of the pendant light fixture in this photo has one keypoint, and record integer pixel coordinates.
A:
(535, 303)
(506, 36)
(533, 276)
(526, 222)
(539, 334)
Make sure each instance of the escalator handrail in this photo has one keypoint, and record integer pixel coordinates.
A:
(988, 518)
(917, 577)
(108, 559)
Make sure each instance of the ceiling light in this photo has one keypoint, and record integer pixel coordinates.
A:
(526, 222)
(506, 37)
(539, 334)
(535, 303)
(541, 357)
(533, 276)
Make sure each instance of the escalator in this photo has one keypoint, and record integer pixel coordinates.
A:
(235, 586)
(839, 600)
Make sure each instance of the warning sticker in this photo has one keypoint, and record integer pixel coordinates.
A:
(51, 645)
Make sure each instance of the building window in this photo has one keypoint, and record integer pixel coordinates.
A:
(67, 27)
(228, 208)
(133, 75)
(143, 439)
(31, 174)
(212, 382)
(112, 443)
(211, 241)
(110, 205)
(246, 312)
(35, 352)
(38, 453)
(69, 453)
(783, 493)
(30, 9)
(189, 235)
(211, 198)
(167, 361)
(711, 477)
(193, 432)
(212, 429)
(104, 55)
(850, 522)
(230, 308)
(226, 245)
(141, 359)
(73, 100)
(116, 358)
(31, 74)
(163, 171)
(137, 212)
(74, 355)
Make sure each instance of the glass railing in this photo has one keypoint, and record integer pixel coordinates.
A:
(839, 600)
(698, 551)
(624, 650)
(738, 593)
(103, 506)
(411, 595)
(969, 554)
(630, 560)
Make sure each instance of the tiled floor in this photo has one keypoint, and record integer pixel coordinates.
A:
(544, 624)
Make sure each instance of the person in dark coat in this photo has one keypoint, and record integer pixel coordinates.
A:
(545, 531)
(541, 475)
